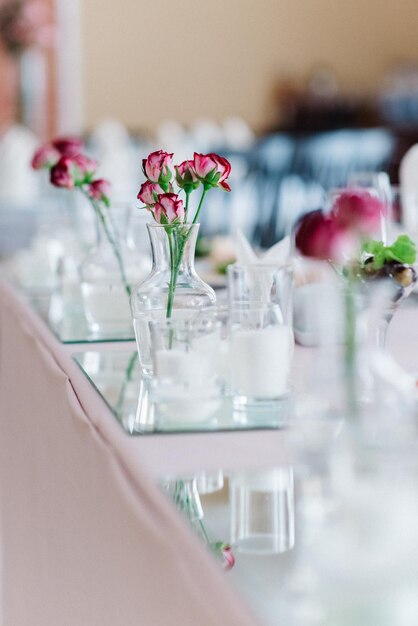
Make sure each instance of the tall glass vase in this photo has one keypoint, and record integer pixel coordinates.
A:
(104, 288)
(171, 290)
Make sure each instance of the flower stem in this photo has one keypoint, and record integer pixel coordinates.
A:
(176, 255)
(126, 381)
(204, 192)
(186, 209)
(112, 241)
(172, 284)
(350, 350)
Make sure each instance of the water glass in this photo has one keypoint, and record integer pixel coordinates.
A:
(378, 184)
(262, 511)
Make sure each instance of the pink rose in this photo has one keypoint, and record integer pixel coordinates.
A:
(68, 146)
(212, 170)
(147, 191)
(359, 210)
(85, 167)
(223, 551)
(45, 156)
(157, 167)
(186, 176)
(168, 209)
(100, 190)
(321, 237)
(62, 173)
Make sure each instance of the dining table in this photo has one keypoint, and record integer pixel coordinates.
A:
(88, 536)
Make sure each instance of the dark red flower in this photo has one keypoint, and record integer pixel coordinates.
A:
(99, 190)
(359, 210)
(68, 146)
(62, 173)
(45, 156)
(320, 236)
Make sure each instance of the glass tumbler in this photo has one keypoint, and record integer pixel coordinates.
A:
(261, 356)
(261, 284)
(262, 511)
(185, 386)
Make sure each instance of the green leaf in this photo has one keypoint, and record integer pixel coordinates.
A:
(402, 250)
(372, 246)
(376, 249)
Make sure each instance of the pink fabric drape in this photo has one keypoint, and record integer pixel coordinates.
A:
(87, 539)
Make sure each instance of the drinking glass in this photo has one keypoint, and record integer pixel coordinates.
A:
(261, 285)
(262, 511)
(378, 184)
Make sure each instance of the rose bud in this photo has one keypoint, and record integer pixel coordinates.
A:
(68, 146)
(157, 168)
(359, 210)
(186, 176)
(100, 190)
(85, 168)
(148, 194)
(224, 552)
(212, 170)
(168, 209)
(62, 173)
(45, 156)
(319, 236)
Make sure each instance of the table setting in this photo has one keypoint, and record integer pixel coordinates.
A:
(274, 410)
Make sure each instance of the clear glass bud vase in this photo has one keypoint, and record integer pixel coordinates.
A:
(107, 273)
(150, 300)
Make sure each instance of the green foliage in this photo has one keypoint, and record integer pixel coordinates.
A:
(403, 250)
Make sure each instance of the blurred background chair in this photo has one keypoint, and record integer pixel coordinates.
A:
(330, 158)
(271, 162)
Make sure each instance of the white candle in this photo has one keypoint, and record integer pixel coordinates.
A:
(180, 366)
(186, 405)
(106, 305)
(261, 361)
(185, 391)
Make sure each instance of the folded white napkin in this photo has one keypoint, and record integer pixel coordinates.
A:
(276, 255)
(260, 281)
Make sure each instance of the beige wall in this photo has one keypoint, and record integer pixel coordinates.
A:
(145, 61)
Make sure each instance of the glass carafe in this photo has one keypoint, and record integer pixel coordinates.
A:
(150, 298)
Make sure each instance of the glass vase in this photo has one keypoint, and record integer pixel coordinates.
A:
(347, 321)
(107, 273)
(150, 300)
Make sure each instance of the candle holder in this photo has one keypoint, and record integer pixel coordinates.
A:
(261, 354)
(185, 388)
